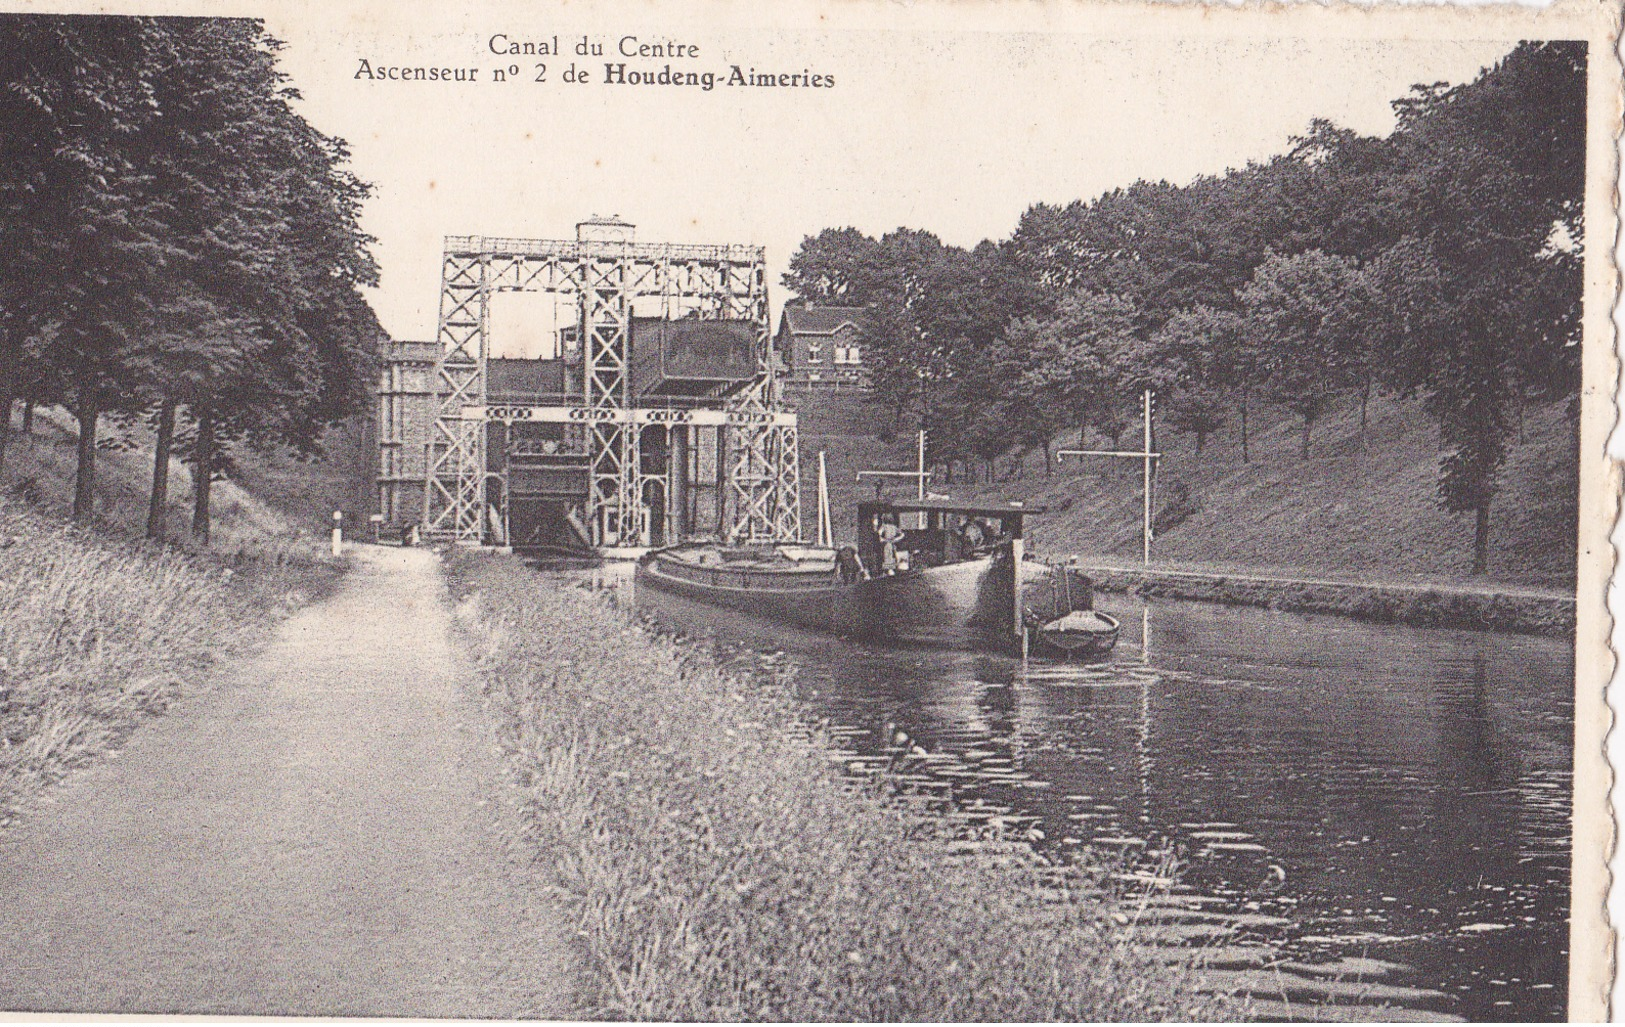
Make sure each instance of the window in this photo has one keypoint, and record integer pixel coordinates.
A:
(847, 355)
(815, 353)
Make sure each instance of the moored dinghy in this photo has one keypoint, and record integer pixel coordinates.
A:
(1080, 633)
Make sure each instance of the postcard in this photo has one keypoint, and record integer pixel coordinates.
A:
(821, 511)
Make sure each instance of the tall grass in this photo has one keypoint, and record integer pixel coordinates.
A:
(718, 866)
(96, 634)
(40, 469)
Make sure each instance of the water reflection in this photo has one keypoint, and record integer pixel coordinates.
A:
(1366, 814)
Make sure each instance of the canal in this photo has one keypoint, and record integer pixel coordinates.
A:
(1364, 816)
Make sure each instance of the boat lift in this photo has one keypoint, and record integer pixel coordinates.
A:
(624, 440)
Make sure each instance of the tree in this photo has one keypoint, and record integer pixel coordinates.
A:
(79, 222)
(210, 253)
(1478, 301)
(1294, 312)
(837, 266)
(1199, 349)
(1089, 359)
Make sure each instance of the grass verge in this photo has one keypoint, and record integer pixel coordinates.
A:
(97, 633)
(718, 866)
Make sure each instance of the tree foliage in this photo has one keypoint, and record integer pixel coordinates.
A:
(1442, 262)
(176, 235)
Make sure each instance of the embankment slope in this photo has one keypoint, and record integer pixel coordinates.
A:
(1362, 504)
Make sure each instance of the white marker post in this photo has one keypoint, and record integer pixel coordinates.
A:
(377, 526)
(338, 532)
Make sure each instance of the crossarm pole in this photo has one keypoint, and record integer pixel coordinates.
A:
(1150, 459)
(921, 475)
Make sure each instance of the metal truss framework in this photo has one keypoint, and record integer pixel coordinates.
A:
(606, 278)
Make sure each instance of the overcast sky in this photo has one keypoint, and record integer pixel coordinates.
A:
(954, 132)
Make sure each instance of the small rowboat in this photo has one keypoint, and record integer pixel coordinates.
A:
(1079, 634)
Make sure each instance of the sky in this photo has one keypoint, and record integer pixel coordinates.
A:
(954, 131)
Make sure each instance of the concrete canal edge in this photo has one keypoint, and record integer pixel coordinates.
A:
(1420, 605)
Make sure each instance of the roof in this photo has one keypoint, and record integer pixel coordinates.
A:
(821, 320)
(402, 351)
(951, 506)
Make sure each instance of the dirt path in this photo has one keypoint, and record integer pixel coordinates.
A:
(327, 832)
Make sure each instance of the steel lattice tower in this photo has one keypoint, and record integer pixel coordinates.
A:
(605, 276)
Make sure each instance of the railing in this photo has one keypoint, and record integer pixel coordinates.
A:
(473, 245)
(645, 402)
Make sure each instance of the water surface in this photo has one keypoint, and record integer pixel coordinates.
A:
(1365, 815)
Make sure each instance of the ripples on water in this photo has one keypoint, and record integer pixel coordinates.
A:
(1364, 814)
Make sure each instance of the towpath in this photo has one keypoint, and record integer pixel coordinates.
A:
(325, 832)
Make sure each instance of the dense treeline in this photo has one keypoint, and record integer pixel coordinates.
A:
(1441, 263)
(177, 243)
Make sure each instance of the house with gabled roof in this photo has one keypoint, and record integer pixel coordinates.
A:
(821, 345)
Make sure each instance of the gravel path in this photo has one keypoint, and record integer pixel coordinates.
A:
(326, 832)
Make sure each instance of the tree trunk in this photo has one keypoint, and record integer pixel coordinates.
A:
(1048, 458)
(1365, 402)
(7, 400)
(159, 498)
(84, 487)
(9, 389)
(1201, 437)
(28, 417)
(202, 476)
(1244, 457)
(1304, 448)
(1481, 538)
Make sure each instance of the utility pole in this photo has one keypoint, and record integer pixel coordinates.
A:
(1149, 459)
(1145, 526)
(921, 475)
(922, 464)
(826, 531)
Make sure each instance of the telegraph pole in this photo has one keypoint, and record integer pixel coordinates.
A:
(921, 475)
(922, 464)
(1145, 525)
(1149, 460)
